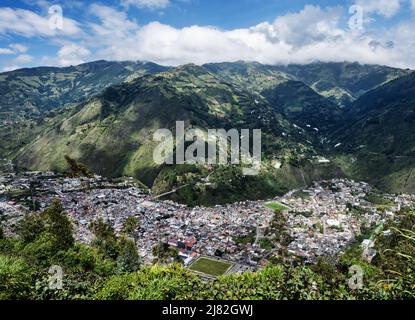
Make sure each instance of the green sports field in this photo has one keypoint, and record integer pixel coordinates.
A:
(276, 206)
(210, 267)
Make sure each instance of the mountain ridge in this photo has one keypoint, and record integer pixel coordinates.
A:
(111, 131)
(36, 90)
(379, 131)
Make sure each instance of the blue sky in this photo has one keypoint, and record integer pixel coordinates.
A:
(173, 32)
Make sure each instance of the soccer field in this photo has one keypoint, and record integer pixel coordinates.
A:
(210, 267)
(276, 206)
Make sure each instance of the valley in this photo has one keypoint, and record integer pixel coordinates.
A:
(79, 185)
(320, 221)
(111, 131)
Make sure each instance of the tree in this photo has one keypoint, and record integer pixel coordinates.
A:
(101, 229)
(52, 221)
(328, 271)
(105, 238)
(41, 251)
(131, 225)
(165, 253)
(59, 226)
(128, 259)
(30, 227)
(78, 169)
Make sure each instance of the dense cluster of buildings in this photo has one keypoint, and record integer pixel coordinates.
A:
(320, 220)
(193, 231)
(325, 218)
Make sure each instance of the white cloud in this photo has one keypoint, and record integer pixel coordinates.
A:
(6, 51)
(44, 5)
(413, 5)
(386, 8)
(321, 25)
(151, 4)
(11, 68)
(23, 58)
(29, 24)
(17, 47)
(13, 49)
(18, 61)
(72, 54)
(113, 23)
(309, 35)
(305, 36)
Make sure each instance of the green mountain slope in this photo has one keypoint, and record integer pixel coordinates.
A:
(289, 97)
(253, 76)
(31, 92)
(342, 82)
(112, 134)
(379, 132)
(112, 131)
(303, 106)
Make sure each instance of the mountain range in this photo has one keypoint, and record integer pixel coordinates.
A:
(32, 92)
(318, 121)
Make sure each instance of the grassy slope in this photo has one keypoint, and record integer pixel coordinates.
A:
(112, 134)
(344, 82)
(377, 138)
(30, 92)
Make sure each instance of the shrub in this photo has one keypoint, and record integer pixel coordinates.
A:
(152, 283)
(80, 257)
(75, 286)
(116, 287)
(41, 250)
(15, 278)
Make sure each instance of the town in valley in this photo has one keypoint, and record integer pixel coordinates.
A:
(302, 225)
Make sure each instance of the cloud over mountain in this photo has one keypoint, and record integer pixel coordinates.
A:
(285, 40)
(311, 34)
(152, 4)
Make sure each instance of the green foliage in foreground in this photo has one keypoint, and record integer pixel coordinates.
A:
(44, 240)
(15, 278)
(110, 269)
